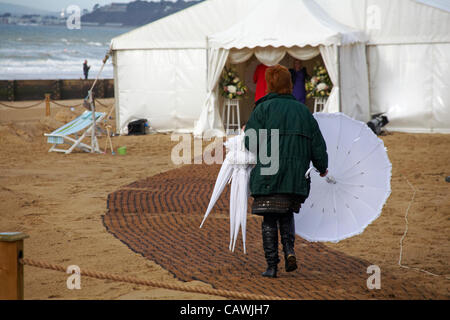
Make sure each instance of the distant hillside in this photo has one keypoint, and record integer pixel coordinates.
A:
(135, 13)
(20, 10)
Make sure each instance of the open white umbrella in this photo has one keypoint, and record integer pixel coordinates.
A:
(356, 188)
(237, 167)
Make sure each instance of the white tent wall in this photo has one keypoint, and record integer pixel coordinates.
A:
(411, 84)
(354, 82)
(408, 55)
(405, 21)
(330, 55)
(392, 21)
(165, 86)
(210, 123)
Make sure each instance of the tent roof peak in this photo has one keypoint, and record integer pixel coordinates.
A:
(285, 23)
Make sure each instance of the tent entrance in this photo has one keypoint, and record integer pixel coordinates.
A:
(246, 70)
(346, 66)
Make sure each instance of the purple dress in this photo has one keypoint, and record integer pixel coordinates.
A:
(298, 79)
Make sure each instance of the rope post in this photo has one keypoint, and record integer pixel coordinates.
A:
(11, 271)
(47, 104)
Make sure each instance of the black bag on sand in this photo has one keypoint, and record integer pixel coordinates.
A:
(137, 127)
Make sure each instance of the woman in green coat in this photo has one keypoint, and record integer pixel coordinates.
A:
(286, 138)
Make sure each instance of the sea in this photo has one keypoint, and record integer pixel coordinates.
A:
(54, 52)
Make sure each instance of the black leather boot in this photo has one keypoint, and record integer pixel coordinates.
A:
(270, 245)
(287, 232)
(271, 272)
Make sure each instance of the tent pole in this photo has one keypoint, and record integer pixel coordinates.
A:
(338, 58)
(365, 16)
(207, 62)
(366, 48)
(116, 90)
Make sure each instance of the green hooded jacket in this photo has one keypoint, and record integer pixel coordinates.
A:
(300, 143)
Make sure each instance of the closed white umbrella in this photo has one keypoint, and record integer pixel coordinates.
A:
(222, 179)
(237, 167)
(356, 188)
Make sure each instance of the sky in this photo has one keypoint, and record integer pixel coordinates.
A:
(58, 5)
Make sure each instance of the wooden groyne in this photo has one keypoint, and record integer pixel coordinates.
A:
(20, 90)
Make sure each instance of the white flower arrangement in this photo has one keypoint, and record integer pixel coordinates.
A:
(319, 86)
(232, 89)
(231, 86)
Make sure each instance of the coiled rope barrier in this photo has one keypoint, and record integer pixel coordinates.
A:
(27, 107)
(54, 102)
(152, 283)
(102, 104)
(66, 106)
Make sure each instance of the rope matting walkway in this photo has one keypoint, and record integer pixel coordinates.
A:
(159, 217)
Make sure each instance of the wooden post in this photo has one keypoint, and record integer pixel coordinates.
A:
(101, 89)
(56, 90)
(47, 104)
(11, 90)
(11, 271)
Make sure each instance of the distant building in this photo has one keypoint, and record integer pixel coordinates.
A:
(113, 24)
(114, 7)
(89, 24)
(30, 20)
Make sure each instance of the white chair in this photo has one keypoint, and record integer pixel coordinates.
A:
(319, 104)
(231, 106)
(83, 123)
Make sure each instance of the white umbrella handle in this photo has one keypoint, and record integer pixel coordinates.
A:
(328, 178)
(308, 173)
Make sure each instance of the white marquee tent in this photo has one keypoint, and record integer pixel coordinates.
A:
(408, 53)
(166, 70)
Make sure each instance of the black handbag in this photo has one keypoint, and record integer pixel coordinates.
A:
(137, 127)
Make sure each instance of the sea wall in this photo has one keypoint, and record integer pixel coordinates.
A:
(20, 90)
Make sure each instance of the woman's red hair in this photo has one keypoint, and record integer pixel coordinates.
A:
(278, 80)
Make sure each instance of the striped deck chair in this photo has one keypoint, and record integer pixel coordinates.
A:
(63, 135)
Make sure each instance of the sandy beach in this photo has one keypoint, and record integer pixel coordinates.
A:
(58, 201)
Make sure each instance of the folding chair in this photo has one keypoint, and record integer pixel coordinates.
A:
(63, 135)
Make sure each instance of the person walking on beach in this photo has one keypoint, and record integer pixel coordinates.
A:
(86, 69)
(279, 195)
